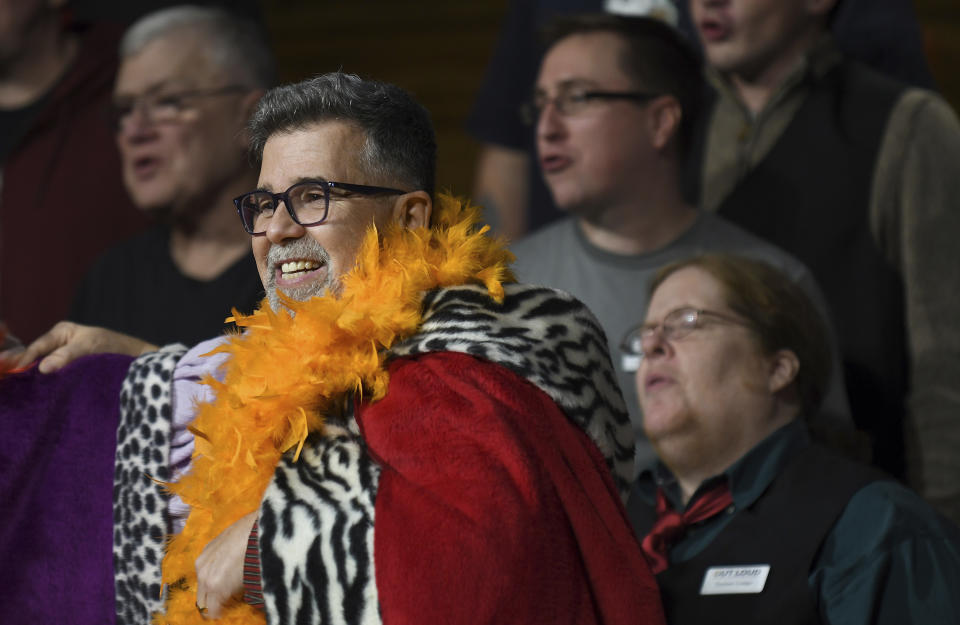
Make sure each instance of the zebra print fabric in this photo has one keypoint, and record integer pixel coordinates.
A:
(546, 336)
(316, 523)
(317, 516)
(316, 535)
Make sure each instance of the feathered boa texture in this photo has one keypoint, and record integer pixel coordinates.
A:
(287, 371)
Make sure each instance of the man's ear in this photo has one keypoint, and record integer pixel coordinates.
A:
(664, 117)
(413, 209)
(784, 366)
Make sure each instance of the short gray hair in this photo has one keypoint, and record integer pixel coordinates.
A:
(400, 142)
(235, 44)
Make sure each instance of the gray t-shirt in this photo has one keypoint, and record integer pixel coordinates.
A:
(615, 286)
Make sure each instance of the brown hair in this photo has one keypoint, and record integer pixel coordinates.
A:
(778, 311)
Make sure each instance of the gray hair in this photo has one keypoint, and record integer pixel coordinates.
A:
(234, 44)
(400, 142)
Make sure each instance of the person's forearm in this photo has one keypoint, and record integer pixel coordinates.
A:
(500, 187)
(918, 225)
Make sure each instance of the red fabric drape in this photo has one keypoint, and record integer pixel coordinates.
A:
(493, 507)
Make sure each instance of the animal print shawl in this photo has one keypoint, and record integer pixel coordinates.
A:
(543, 336)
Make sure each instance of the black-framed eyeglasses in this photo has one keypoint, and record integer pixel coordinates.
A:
(307, 203)
(574, 101)
(675, 325)
(161, 108)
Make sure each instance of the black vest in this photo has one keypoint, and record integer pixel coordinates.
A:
(784, 528)
(811, 196)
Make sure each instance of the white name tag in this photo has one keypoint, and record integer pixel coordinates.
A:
(734, 580)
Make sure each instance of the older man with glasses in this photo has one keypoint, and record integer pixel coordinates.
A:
(188, 80)
(401, 432)
(612, 112)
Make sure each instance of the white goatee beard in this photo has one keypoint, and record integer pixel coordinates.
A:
(304, 247)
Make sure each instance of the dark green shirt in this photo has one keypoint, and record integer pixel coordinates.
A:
(889, 559)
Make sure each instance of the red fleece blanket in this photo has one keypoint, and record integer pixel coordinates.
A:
(492, 507)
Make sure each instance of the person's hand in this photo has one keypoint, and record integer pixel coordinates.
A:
(67, 341)
(220, 567)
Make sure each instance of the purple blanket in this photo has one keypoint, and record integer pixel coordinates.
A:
(57, 442)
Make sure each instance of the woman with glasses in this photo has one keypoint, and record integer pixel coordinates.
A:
(743, 517)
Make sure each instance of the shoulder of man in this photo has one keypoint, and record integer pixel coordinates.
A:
(547, 255)
(548, 338)
(890, 548)
(921, 114)
(124, 257)
(89, 80)
(719, 235)
(544, 239)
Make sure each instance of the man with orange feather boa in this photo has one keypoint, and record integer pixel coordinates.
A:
(400, 434)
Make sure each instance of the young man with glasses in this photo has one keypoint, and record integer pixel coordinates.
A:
(188, 80)
(612, 111)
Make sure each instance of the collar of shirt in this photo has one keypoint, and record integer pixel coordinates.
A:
(748, 478)
(823, 56)
(737, 139)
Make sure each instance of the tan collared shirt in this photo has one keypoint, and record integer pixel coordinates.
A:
(738, 139)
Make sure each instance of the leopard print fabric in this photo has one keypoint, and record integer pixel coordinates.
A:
(139, 503)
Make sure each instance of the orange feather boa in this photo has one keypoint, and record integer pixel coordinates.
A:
(286, 371)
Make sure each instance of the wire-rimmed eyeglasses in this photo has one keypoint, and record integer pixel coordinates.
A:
(675, 325)
(162, 108)
(307, 203)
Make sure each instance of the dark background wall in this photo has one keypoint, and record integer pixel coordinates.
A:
(438, 50)
(940, 21)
